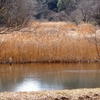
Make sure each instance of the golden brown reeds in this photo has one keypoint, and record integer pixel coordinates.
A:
(50, 42)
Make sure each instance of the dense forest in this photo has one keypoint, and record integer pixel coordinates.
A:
(18, 12)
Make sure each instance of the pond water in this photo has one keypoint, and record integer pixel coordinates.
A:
(36, 77)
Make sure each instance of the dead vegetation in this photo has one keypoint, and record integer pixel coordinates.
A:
(51, 42)
(79, 94)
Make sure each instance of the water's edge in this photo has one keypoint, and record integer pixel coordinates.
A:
(53, 61)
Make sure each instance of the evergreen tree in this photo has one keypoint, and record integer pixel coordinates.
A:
(66, 4)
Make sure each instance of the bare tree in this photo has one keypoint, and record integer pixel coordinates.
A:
(96, 14)
(95, 39)
(86, 9)
(14, 13)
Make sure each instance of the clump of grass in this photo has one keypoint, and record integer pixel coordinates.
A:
(86, 28)
(50, 42)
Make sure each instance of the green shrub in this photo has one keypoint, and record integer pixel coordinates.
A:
(66, 4)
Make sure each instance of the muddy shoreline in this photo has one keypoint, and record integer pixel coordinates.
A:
(77, 94)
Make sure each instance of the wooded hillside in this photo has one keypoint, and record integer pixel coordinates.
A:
(17, 12)
(67, 10)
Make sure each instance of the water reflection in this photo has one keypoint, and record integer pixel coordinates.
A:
(28, 85)
(35, 77)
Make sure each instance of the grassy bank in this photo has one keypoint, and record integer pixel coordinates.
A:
(51, 42)
(79, 94)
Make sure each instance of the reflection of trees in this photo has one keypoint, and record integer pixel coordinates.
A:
(85, 80)
(51, 75)
(9, 77)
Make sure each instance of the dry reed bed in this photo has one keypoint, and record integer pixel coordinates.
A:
(78, 94)
(50, 42)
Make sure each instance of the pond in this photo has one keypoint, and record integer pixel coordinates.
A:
(36, 77)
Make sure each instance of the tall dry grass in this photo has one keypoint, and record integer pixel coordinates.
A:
(49, 42)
